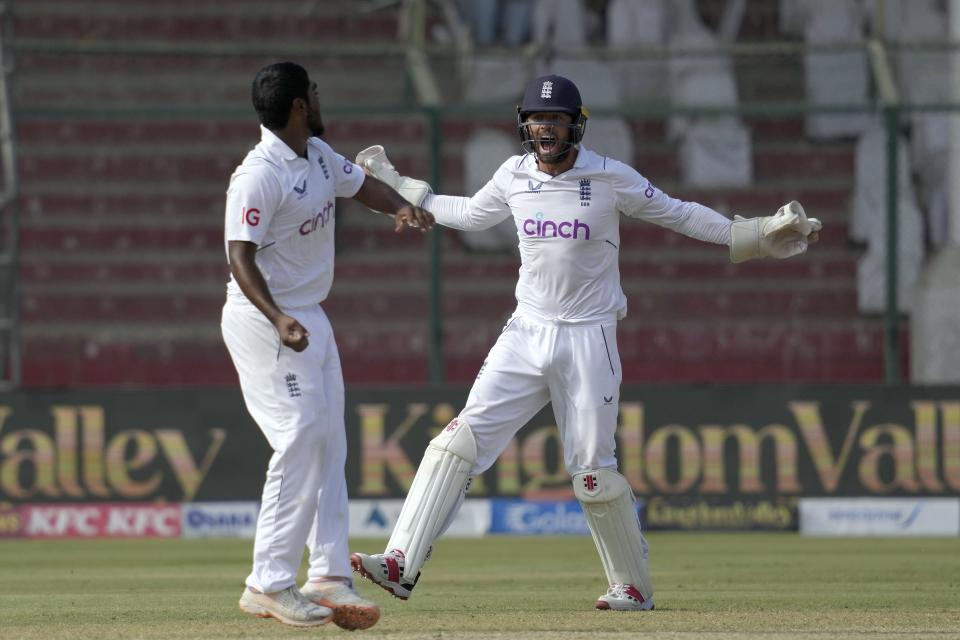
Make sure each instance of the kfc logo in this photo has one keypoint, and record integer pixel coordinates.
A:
(63, 521)
(250, 216)
(140, 521)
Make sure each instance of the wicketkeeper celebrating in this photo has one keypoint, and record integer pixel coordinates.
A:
(560, 344)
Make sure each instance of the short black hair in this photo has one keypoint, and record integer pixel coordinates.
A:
(274, 89)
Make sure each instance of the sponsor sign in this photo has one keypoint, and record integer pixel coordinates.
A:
(101, 521)
(748, 443)
(10, 521)
(522, 517)
(720, 515)
(880, 516)
(376, 518)
(373, 518)
(219, 519)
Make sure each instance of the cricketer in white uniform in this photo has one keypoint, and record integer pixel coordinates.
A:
(560, 344)
(279, 235)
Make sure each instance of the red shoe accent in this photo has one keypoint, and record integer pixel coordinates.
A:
(393, 569)
(631, 591)
(356, 562)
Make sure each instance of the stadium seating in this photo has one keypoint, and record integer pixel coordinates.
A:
(123, 161)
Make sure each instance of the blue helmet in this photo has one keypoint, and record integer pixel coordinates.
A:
(554, 94)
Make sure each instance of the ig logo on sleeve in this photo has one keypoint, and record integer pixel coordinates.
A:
(250, 216)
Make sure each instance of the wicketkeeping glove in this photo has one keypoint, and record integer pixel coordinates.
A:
(374, 160)
(778, 236)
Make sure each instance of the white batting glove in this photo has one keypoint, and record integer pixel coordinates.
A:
(375, 162)
(781, 235)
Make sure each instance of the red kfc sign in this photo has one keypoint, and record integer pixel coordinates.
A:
(101, 521)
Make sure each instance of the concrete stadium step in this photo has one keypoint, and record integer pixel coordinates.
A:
(70, 207)
(153, 90)
(179, 134)
(731, 351)
(197, 356)
(772, 129)
(387, 267)
(762, 199)
(206, 151)
(109, 275)
(170, 21)
(636, 237)
(203, 167)
(178, 303)
(728, 351)
(769, 164)
(123, 239)
(186, 365)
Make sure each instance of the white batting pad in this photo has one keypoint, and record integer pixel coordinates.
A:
(436, 490)
(607, 501)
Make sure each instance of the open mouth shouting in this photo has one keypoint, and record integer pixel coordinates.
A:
(549, 144)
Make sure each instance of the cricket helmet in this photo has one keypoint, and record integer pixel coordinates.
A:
(553, 94)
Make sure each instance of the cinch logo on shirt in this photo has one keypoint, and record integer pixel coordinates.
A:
(321, 219)
(540, 228)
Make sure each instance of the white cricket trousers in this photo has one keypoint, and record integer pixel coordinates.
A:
(576, 367)
(297, 400)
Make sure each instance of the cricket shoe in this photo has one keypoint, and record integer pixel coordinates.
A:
(385, 570)
(287, 606)
(350, 611)
(624, 597)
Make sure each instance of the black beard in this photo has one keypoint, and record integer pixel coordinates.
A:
(317, 130)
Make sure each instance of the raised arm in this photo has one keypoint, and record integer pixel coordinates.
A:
(482, 211)
(379, 196)
(782, 235)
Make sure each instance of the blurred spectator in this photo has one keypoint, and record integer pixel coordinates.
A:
(560, 25)
(869, 223)
(832, 78)
(714, 151)
(638, 24)
(482, 156)
(921, 69)
(493, 22)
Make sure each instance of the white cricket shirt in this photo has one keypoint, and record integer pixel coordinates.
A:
(285, 204)
(569, 230)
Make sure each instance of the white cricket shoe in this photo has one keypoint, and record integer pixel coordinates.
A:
(350, 611)
(385, 570)
(287, 606)
(624, 597)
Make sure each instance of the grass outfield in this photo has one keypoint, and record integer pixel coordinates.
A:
(718, 585)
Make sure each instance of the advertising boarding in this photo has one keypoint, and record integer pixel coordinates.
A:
(698, 457)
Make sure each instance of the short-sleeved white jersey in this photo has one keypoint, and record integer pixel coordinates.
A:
(569, 230)
(285, 204)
